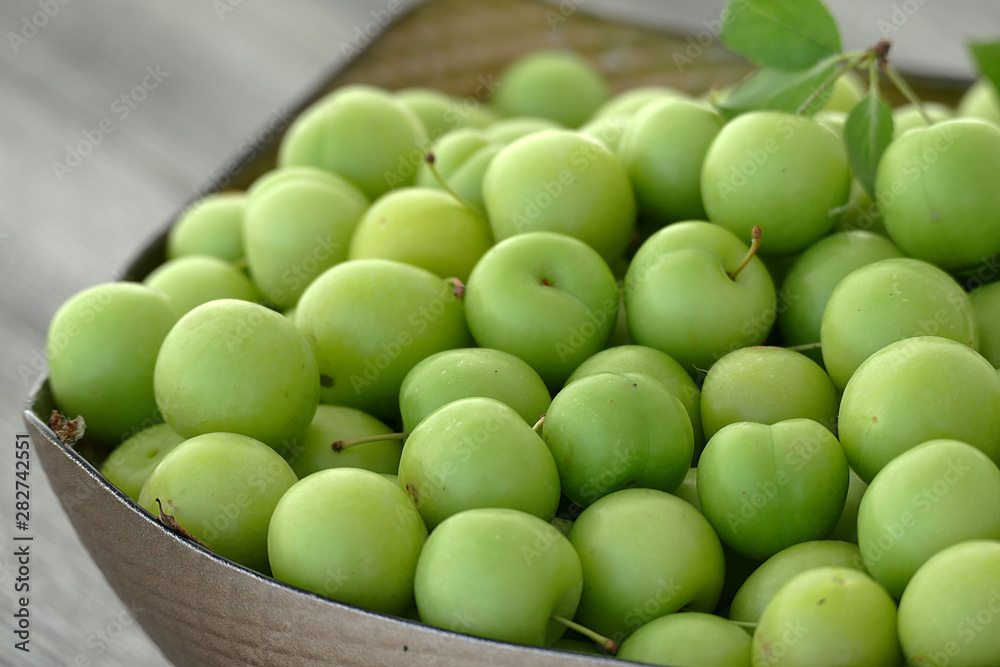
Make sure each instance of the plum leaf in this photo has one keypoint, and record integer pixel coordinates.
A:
(780, 34)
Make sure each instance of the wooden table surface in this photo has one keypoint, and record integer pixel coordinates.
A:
(216, 71)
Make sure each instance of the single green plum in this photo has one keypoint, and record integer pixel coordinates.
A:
(630, 102)
(477, 452)
(766, 385)
(915, 390)
(440, 113)
(350, 535)
(847, 92)
(887, 301)
(980, 101)
(313, 451)
(192, 280)
(212, 226)
(765, 488)
(236, 367)
(369, 321)
(101, 347)
(461, 159)
(130, 463)
(464, 373)
(691, 639)
(937, 494)
(557, 85)
(222, 488)
(609, 130)
(908, 116)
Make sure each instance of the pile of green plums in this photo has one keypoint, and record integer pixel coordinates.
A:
(569, 365)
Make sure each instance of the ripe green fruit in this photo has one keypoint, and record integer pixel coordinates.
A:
(560, 181)
(887, 301)
(549, 84)
(313, 451)
(847, 528)
(981, 101)
(986, 304)
(663, 148)
(236, 367)
(609, 431)
(811, 280)
(761, 586)
(908, 117)
(657, 365)
(546, 298)
(361, 134)
(425, 228)
(915, 390)
(630, 102)
(608, 131)
(633, 570)
(369, 321)
(461, 159)
(766, 385)
(917, 185)
(509, 130)
(692, 639)
(196, 279)
(765, 488)
(212, 226)
(222, 488)
(350, 535)
(101, 348)
(131, 462)
(948, 614)
(440, 113)
(464, 373)
(764, 152)
(477, 452)
(937, 494)
(847, 92)
(298, 223)
(499, 574)
(681, 300)
(827, 617)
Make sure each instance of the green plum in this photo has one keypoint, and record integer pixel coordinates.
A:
(192, 280)
(691, 639)
(313, 452)
(464, 373)
(461, 159)
(981, 101)
(608, 130)
(350, 535)
(212, 226)
(764, 152)
(101, 347)
(630, 102)
(810, 281)
(561, 181)
(986, 304)
(766, 385)
(663, 148)
(847, 528)
(222, 488)
(765, 488)
(657, 365)
(477, 452)
(908, 117)
(546, 298)
(948, 614)
(440, 113)
(937, 194)
(688, 490)
(760, 587)
(424, 227)
(682, 299)
(236, 367)
(359, 133)
(609, 431)
(915, 390)
(887, 301)
(847, 92)
(645, 554)
(828, 617)
(928, 498)
(369, 322)
(499, 574)
(131, 462)
(298, 223)
(560, 86)
(509, 130)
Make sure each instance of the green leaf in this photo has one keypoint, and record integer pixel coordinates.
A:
(867, 133)
(987, 55)
(780, 34)
(780, 90)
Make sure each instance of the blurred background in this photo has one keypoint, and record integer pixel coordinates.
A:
(162, 95)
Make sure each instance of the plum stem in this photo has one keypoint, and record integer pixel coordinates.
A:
(608, 645)
(341, 445)
(754, 246)
(537, 428)
(431, 161)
